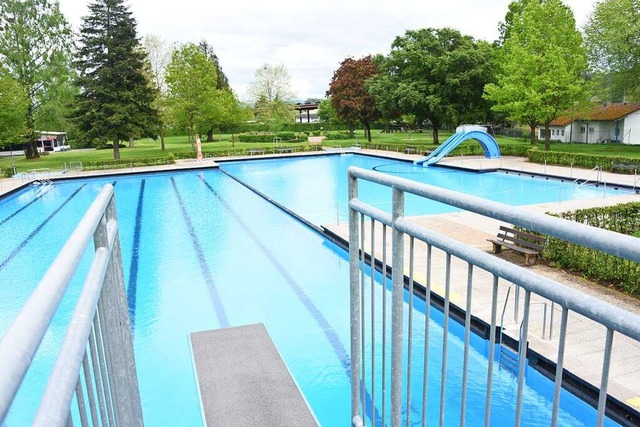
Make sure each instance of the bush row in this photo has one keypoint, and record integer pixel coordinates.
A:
(266, 137)
(332, 136)
(6, 173)
(622, 273)
(123, 163)
(588, 161)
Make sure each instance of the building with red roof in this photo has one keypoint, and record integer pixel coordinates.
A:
(597, 124)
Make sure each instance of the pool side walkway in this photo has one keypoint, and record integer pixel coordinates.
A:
(585, 339)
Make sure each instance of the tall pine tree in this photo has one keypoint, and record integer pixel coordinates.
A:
(116, 96)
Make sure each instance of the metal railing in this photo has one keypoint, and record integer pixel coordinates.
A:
(364, 386)
(95, 361)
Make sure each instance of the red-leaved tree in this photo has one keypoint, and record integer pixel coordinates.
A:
(349, 95)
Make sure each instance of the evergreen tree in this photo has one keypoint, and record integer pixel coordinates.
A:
(116, 97)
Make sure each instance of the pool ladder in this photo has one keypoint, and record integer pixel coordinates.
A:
(43, 185)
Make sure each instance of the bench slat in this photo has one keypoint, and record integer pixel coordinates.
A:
(514, 247)
(519, 233)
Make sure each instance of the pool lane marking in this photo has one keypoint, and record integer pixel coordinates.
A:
(21, 209)
(206, 272)
(38, 228)
(322, 321)
(135, 258)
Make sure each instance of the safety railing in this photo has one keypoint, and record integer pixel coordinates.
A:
(373, 390)
(95, 362)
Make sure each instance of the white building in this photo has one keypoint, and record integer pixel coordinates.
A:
(52, 141)
(602, 123)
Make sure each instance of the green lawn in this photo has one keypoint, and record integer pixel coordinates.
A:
(222, 146)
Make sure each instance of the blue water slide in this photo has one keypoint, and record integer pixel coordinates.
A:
(489, 145)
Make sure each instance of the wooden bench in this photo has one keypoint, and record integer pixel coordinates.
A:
(526, 243)
(624, 166)
(285, 150)
(410, 150)
(253, 151)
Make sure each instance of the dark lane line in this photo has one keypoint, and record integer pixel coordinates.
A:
(206, 272)
(315, 312)
(21, 209)
(135, 258)
(38, 228)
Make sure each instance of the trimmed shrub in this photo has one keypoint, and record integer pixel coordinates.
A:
(622, 273)
(332, 136)
(588, 161)
(125, 163)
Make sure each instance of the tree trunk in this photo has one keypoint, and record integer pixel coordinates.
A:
(367, 130)
(31, 150)
(30, 147)
(131, 143)
(547, 137)
(116, 149)
(436, 139)
(210, 135)
(162, 146)
(532, 134)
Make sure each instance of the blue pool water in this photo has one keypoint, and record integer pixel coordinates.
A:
(201, 251)
(316, 188)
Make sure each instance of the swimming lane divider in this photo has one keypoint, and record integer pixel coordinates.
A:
(38, 228)
(21, 209)
(206, 272)
(135, 258)
(317, 315)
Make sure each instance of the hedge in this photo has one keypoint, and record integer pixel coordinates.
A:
(588, 161)
(622, 273)
(124, 163)
(266, 137)
(6, 173)
(332, 136)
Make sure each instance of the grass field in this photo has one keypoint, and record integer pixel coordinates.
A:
(179, 146)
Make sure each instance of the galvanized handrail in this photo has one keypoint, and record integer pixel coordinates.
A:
(98, 335)
(613, 318)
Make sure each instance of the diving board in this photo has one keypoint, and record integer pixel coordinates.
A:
(489, 145)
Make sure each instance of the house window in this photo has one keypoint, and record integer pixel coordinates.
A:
(582, 129)
(590, 129)
(562, 132)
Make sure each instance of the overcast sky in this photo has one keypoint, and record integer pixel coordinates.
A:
(310, 38)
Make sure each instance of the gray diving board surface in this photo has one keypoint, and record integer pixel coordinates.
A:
(243, 381)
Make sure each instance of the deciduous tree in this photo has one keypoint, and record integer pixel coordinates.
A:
(116, 96)
(436, 75)
(349, 94)
(613, 46)
(191, 79)
(271, 92)
(13, 109)
(158, 57)
(541, 66)
(35, 46)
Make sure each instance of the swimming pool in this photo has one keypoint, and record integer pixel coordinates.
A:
(201, 251)
(316, 188)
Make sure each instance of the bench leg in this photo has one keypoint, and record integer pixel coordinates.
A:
(496, 248)
(530, 259)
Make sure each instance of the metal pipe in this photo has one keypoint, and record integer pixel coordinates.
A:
(354, 297)
(21, 341)
(492, 349)
(467, 338)
(604, 382)
(397, 302)
(559, 367)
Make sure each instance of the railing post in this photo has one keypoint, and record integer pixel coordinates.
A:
(116, 330)
(397, 302)
(354, 292)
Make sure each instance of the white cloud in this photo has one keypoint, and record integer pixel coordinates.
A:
(310, 39)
